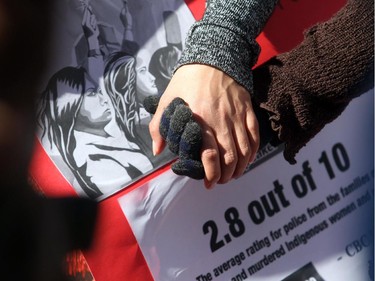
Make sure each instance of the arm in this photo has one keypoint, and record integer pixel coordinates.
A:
(225, 37)
(319, 77)
(214, 78)
(95, 64)
(127, 22)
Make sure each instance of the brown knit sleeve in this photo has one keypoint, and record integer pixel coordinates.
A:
(311, 85)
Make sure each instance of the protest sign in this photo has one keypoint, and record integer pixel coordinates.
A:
(315, 217)
(290, 208)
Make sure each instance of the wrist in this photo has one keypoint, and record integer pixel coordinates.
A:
(222, 49)
(93, 42)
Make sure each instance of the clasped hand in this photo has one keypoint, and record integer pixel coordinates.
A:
(219, 135)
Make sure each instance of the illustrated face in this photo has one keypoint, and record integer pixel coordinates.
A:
(145, 82)
(95, 110)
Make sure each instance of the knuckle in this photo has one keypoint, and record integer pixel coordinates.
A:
(230, 158)
(254, 126)
(252, 121)
(245, 149)
(210, 155)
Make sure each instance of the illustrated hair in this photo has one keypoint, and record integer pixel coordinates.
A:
(57, 115)
(120, 84)
(162, 64)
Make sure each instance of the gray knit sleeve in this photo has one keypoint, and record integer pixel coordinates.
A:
(225, 37)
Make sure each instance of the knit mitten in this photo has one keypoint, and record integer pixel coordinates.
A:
(182, 134)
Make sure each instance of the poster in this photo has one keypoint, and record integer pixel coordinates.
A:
(118, 251)
(105, 60)
(310, 221)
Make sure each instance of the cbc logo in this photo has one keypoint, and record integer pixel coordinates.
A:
(358, 245)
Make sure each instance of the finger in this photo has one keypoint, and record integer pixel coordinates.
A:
(181, 116)
(158, 142)
(93, 21)
(266, 133)
(210, 158)
(228, 156)
(189, 162)
(167, 115)
(253, 133)
(159, 125)
(189, 167)
(85, 16)
(191, 142)
(244, 149)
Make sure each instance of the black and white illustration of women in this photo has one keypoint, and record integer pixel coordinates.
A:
(92, 113)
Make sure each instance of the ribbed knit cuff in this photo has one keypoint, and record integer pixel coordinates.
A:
(221, 48)
(311, 85)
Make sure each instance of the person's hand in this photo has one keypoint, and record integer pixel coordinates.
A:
(89, 24)
(125, 16)
(223, 109)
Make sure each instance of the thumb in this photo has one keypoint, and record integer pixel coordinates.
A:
(150, 104)
(158, 143)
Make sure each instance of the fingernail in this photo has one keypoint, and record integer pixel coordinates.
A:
(209, 185)
(154, 150)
